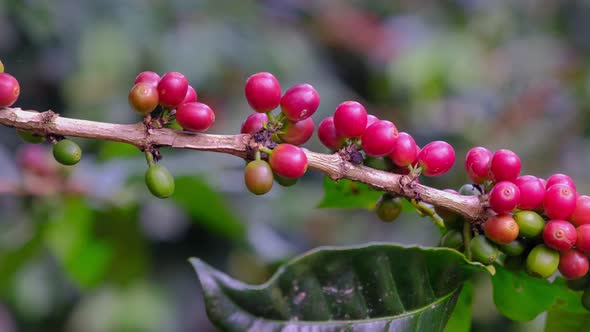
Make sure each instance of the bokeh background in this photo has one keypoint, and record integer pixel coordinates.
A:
(88, 249)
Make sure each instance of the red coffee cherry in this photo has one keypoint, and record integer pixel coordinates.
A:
(254, 123)
(258, 177)
(263, 92)
(328, 136)
(581, 215)
(288, 161)
(504, 166)
(172, 89)
(297, 133)
(143, 98)
(559, 235)
(9, 90)
(300, 102)
(477, 164)
(532, 192)
(191, 96)
(560, 178)
(405, 150)
(379, 138)
(436, 158)
(501, 229)
(148, 77)
(195, 116)
(371, 119)
(350, 119)
(504, 197)
(559, 201)
(573, 264)
(583, 238)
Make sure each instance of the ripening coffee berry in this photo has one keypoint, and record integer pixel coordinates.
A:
(559, 235)
(379, 138)
(532, 191)
(583, 238)
(191, 96)
(284, 181)
(504, 197)
(67, 152)
(148, 77)
(573, 264)
(258, 177)
(159, 181)
(9, 90)
(504, 166)
(436, 158)
(542, 261)
(581, 215)
(195, 116)
(452, 239)
(559, 201)
(297, 133)
(300, 102)
(328, 136)
(29, 137)
(405, 150)
(371, 119)
(530, 223)
(513, 248)
(143, 98)
(288, 161)
(388, 208)
(482, 250)
(501, 229)
(477, 164)
(172, 89)
(263, 92)
(350, 119)
(451, 219)
(254, 123)
(560, 178)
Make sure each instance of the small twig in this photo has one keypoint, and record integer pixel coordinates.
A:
(427, 211)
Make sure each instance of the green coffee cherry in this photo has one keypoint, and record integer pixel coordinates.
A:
(483, 250)
(542, 261)
(258, 177)
(29, 137)
(513, 248)
(388, 208)
(159, 181)
(284, 181)
(452, 239)
(530, 223)
(67, 152)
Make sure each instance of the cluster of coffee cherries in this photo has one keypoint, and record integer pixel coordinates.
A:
(167, 101)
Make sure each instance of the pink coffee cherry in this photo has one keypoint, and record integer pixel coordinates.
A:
(405, 150)
(300, 102)
(196, 117)
(9, 90)
(436, 158)
(477, 164)
(350, 119)
(581, 215)
(254, 123)
(172, 89)
(191, 95)
(288, 161)
(504, 197)
(583, 238)
(379, 138)
(148, 77)
(328, 136)
(560, 178)
(573, 264)
(297, 133)
(504, 166)
(371, 119)
(559, 235)
(263, 92)
(532, 192)
(559, 201)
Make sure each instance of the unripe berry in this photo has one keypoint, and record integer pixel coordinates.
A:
(405, 150)
(297, 133)
(350, 119)
(9, 90)
(67, 152)
(504, 197)
(29, 137)
(143, 98)
(542, 261)
(530, 223)
(501, 229)
(284, 181)
(300, 102)
(452, 239)
(560, 178)
(482, 250)
(191, 96)
(328, 136)
(583, 238)
(172, 89)
(504, 166)
(148, 77)
(379, 138)
(288, 161)
(477, 164)
(559, 235)
(581, 215)
(573, 264)
(436, 158)
(254, 123)
(263, 92)
(159, 181)
(559, 201)
(195, 116)
(388, 208)
(469, 189)
(258, 177)
(513, 248)
(532, 191)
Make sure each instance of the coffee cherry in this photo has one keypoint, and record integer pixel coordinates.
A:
(29, 137)
(254, 123)
(583, 238)
(436, 158)
(172, 89)
(530, 223)
(258, 177)
(542, 261)
(452, 239)
(450, 218)
(388, 208)
(469, 189)
(504, 166)
(297, 133)
(148, 77)
(581, 215)
(67, 152)
(559, 235)
(379, 138)
(328, 136)
(477, 164)
(195, 116)
(9, 90)
(350, 119)
(560, 178)
(579, 283)
(159, 181)
(573, 264)
(263, 92)
(191, 96)
(288, 161)
(513, 248)
(300, 102)
(284, 181)
(143, 98)
(559, 201)
(482, 250)
(371, 119)
(504, 197)
(532, 191)
(405, 150)
(586, 299)
(501, 229)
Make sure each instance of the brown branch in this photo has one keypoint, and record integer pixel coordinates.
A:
(332, 165)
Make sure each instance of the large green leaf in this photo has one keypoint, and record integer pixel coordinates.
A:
(461, 318)
(374, 287)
